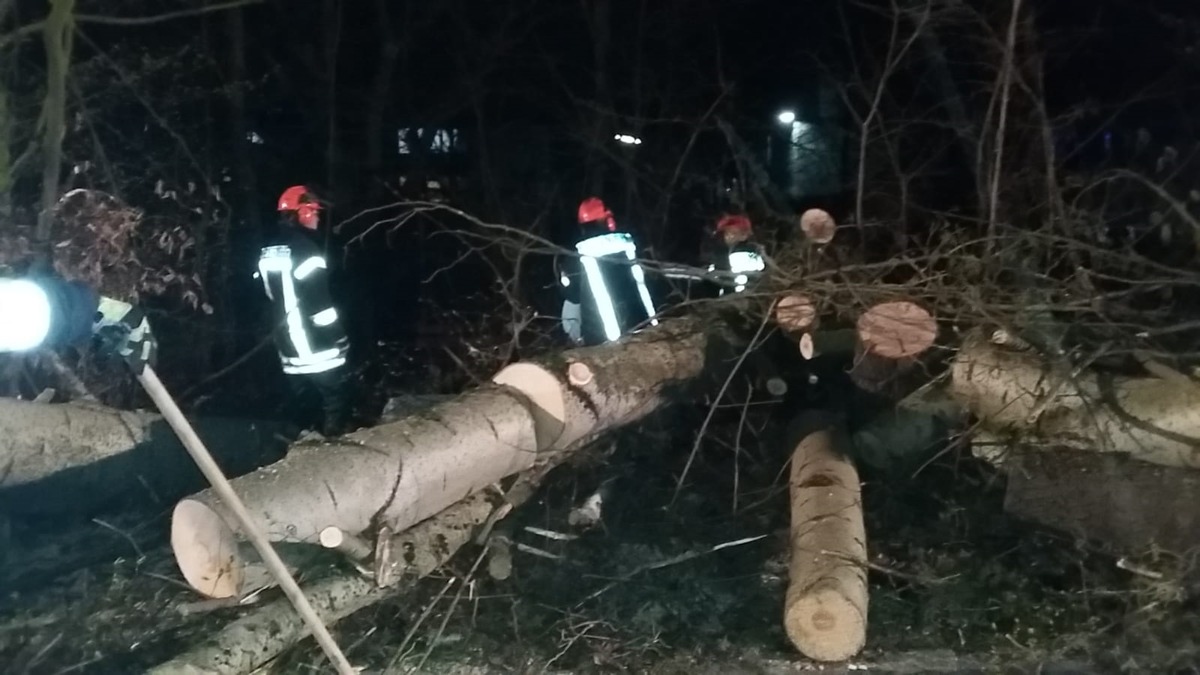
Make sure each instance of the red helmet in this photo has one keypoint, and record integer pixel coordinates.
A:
(730, 223)
(592, 209)
(298, 199)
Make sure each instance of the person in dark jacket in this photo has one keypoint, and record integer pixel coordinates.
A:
(47, 311)
(735, 253)
(604, 288)
(308, 332)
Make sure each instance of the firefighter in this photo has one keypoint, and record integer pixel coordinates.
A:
(604, 288)
(735, 254)
(309, 336)
(46, 311)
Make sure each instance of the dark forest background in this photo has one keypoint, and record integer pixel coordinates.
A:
(198, 115)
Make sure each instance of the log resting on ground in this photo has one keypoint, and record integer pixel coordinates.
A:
(1016, 391)
(401, 473)
(265, 632)
(825, 613)
(77, 457)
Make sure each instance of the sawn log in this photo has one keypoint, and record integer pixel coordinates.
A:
(77, 457)
(398, 474)
(1016, 391)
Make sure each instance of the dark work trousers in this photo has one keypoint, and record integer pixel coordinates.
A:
(332, 387)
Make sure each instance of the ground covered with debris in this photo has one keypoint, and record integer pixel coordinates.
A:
(672, 579)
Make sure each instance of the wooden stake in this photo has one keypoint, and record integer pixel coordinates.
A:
(825, 613)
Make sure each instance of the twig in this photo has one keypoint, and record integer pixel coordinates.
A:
(681, 558)
(132, 542)
(227, 369)
(402, 650)
(550, 534)
(450, 611)
(525, 548)
(1002, 124)
(721, 394)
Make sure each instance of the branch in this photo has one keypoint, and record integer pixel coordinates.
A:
(29, 29)
(159, 18)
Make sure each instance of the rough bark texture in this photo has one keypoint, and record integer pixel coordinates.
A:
(265, 632)
(393, 475)
(825, 613)
(1153, 420)
(398, 474)
(1110, 499)
(79, 456)
(586, 391)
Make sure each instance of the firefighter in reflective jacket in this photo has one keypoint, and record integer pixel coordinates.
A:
(736, 254)
(46, 311)
(604, 288)
(308, 333)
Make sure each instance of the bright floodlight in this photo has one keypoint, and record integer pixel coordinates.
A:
(628, 139)
(787, 117)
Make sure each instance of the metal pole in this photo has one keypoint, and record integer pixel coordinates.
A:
(204, 460)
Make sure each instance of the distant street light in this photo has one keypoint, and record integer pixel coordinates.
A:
(627, 139)
(787, 117)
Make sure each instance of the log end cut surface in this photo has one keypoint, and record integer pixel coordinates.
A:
(544, 391)
(795, 313)
(825, 625)
(818, 226)
(205, 550)
(897, 330)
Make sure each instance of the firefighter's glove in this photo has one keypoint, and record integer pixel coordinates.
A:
(124, 331)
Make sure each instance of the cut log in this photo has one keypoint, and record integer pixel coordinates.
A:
(825, 613)
(586, 391)
(265, 632)
(1016, 391)
(796, 314)
(78, 457)
(352, 546)
(892, 336)
(398, 474)
(818, 226)
(830, 342)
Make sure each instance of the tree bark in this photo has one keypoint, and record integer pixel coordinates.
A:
(1015, 391)
(377, 106)
(57, 37)
(825, 614)
(398, 474)
(266, 632)
(77, 457)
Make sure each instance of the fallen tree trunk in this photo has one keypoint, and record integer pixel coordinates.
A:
(1015, 391)
(398, 474)
(825, 613)
(76, 457)
(265, 632)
